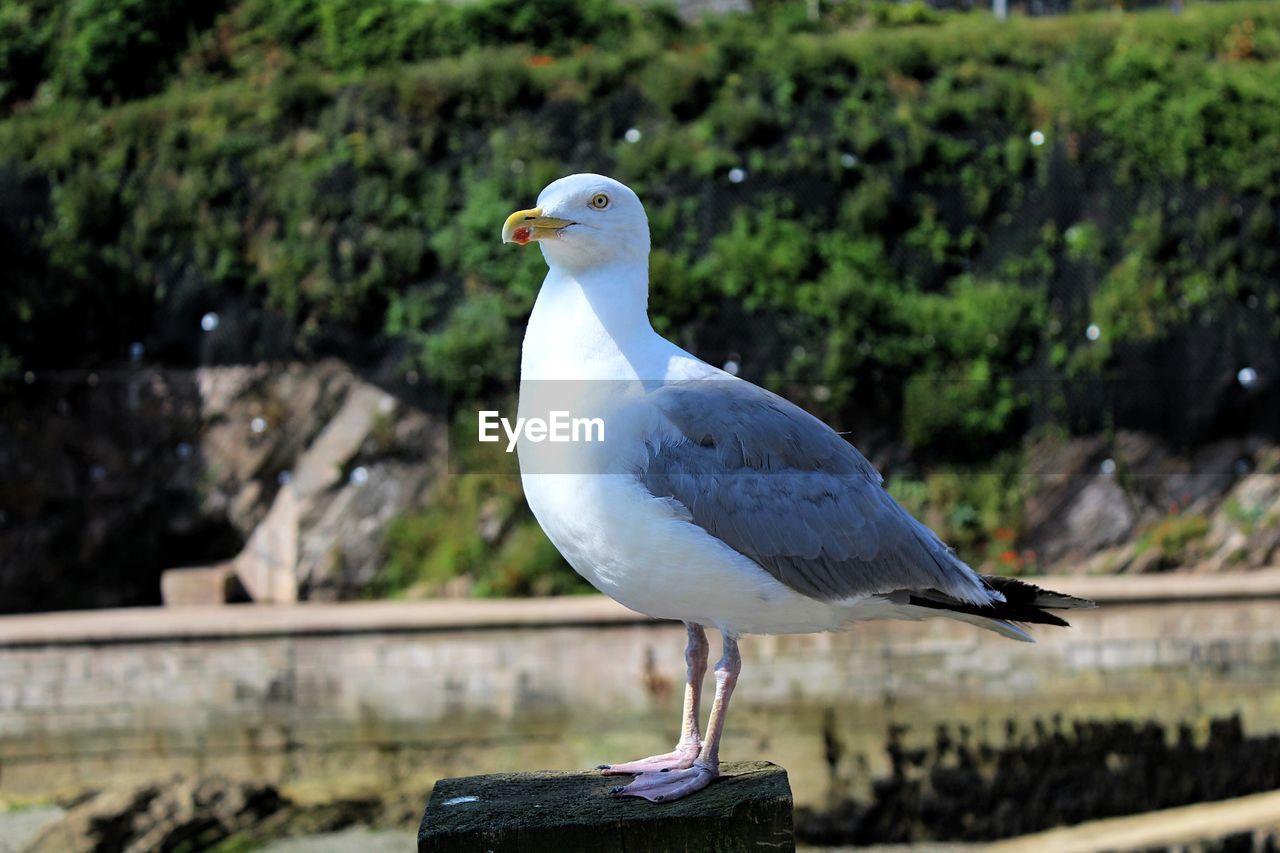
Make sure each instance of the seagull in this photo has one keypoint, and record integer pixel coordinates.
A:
(710, 501)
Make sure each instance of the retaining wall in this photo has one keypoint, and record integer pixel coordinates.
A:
(357, 695)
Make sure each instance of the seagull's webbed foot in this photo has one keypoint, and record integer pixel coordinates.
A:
(680, 758)
(667, 785)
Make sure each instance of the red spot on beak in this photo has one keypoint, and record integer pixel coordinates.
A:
(520, 235)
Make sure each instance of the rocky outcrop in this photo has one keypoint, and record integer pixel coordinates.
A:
(370, 463)
(1132, 504)
(345, 456)
(115, 477)
(190, 814)
(1246, 531)
(204, 812)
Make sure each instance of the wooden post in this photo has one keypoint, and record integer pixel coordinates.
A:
(747, 808)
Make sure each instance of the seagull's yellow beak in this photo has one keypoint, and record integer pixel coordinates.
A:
(525, 225)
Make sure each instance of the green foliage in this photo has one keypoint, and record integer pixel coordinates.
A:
(8, 364)
(473, 350)
(1247, 517)
(961, 399)
(976, 509)
(891, 243)
(1174, 538)
(122, 49)
(102, 49)
(119, 49)
(906, 14)
(477, 536)
(28, 33)
(959, 409)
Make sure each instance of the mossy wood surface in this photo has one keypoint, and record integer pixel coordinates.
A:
(748, 808)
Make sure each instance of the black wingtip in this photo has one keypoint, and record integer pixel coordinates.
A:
(1024, 603)
(1028, 594)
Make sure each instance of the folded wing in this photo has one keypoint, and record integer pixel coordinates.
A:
(782, 488)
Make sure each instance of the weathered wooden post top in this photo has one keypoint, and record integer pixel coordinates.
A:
(747, 808)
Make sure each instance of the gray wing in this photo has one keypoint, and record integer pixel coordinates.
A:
(784, 489)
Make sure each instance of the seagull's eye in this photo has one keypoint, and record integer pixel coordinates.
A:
(599, 201)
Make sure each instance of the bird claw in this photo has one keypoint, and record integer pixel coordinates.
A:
(680, 758)
(669, 786)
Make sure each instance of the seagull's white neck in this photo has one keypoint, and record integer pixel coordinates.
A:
(592, 324)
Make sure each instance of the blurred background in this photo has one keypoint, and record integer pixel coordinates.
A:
(252, 295)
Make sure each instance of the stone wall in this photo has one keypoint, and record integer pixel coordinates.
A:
(363, 695)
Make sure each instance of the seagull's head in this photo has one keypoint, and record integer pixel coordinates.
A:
(583, 221)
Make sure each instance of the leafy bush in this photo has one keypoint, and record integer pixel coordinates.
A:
(1174, 538)
(897, 228)
(108, 50)
(28, 35)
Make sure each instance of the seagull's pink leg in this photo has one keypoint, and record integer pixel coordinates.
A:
(668, 785)
(686, 751)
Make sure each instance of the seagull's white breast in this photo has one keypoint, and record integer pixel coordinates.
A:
(641, 550)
